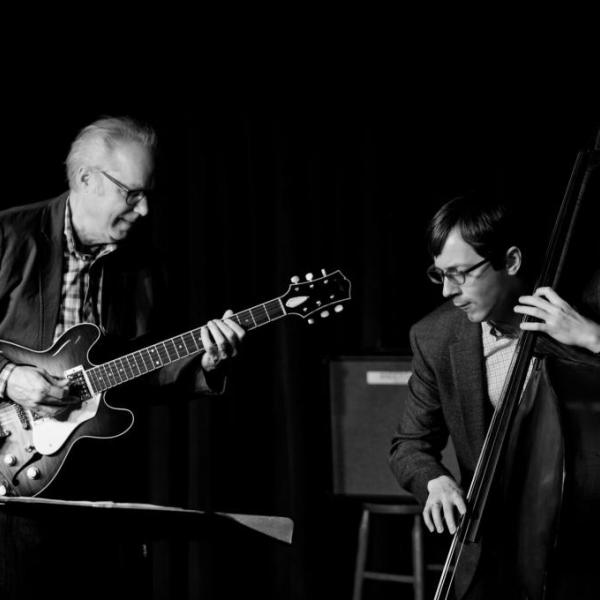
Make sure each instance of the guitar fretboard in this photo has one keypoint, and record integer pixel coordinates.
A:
(120, 370)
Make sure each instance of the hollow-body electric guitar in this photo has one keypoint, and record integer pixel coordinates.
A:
(33, 448)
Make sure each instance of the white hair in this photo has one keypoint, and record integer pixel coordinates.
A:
(101, 136)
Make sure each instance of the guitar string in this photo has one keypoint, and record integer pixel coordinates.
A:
(140, 362)
(145, 363)
(112, 371)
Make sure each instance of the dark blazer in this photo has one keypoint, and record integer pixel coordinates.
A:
(33, 549)
(31, 262)
(447, 395)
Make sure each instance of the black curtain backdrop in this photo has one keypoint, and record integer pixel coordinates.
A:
(247, 196)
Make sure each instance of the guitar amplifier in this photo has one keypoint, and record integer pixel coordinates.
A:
(367, 396)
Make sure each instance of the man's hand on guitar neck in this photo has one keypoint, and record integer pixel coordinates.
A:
(221, 339)
(39, 391)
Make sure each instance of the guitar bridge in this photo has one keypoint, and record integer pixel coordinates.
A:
(79, 385)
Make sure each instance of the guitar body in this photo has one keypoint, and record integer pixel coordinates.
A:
(33, 449)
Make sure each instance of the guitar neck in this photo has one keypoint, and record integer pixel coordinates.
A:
(130, 366)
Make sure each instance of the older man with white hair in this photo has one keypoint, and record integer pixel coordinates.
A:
(71, 260)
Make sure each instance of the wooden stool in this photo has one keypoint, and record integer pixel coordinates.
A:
(417, 577)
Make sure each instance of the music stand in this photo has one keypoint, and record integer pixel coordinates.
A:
(110, 545)
(162, 521)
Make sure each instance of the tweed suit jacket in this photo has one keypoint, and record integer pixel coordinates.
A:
(447, 396)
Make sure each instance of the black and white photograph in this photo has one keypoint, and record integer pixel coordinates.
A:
(326, 330)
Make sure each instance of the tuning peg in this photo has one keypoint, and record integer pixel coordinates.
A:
(338, 308)
(311, 321)
(295, 279)
(309, 276)
(324, 272)
(325, 314)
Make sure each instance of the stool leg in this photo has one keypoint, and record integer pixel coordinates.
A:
(418, 558)
(361, 554)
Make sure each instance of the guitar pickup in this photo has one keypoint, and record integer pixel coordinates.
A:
(78, 383)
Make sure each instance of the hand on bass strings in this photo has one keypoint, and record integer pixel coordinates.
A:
(445, 498)
(558, 319)
(221, 339)
(39, 391)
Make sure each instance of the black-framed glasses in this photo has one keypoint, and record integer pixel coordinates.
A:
(132, 197)
(456, 276)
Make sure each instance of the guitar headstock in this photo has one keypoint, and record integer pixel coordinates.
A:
(320, 295)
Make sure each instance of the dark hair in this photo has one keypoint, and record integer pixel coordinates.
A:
(487, 225)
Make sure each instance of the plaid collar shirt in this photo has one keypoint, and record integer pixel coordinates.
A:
(81, 295)
(498, 351)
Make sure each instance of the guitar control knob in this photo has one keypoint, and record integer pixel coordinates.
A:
(309, 276)
(3, 490)
(295, 279)
(339, 308)
(10, 460)
(311, 321)
(325, 314)
(33, 473)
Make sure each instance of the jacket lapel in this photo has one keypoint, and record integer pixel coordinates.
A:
(51, 259)
(466, 356)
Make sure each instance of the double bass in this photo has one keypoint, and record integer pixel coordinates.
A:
(535, 494)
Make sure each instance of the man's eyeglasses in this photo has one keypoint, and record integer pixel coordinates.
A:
(456, 276)
(132, 197)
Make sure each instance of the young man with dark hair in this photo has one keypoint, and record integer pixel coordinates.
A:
(461, 356)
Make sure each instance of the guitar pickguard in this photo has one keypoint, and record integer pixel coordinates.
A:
(50, 434)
